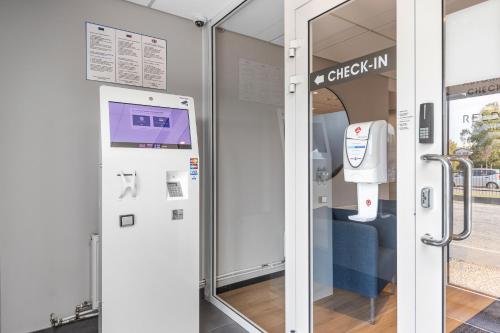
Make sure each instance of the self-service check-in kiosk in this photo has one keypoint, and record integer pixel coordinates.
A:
(149, 213)
(365, 163)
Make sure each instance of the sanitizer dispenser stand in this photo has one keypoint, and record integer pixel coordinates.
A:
(365, 163)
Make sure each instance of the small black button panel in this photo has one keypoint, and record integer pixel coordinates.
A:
(426, 123)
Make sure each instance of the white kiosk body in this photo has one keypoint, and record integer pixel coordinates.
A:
(149, 213)
(365, 163)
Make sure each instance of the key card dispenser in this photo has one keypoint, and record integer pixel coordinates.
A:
(426, 123)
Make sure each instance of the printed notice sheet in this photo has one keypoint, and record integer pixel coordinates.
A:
(100, 53)
(124, 57)
(128, 58)
(154, 62)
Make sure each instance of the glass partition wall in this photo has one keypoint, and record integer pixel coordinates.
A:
(353, 220)
(248, 106)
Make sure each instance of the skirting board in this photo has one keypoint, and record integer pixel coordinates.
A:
(248, 282)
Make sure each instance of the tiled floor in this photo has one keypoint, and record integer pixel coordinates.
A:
(212, 320)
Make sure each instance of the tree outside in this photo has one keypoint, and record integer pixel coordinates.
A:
(483, 138)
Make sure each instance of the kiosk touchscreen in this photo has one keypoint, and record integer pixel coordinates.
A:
(149, 212)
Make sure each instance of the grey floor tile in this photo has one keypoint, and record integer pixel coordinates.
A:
(231, 328)
(211, 317)
(212, 320)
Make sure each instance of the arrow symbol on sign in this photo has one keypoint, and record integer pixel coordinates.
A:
(319, 79)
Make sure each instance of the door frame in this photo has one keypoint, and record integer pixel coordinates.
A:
(429, 88)
(298, 252)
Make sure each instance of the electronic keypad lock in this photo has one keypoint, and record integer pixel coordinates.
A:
(426, 123)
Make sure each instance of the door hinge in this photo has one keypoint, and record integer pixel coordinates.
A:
(293, 46)
(294, 80)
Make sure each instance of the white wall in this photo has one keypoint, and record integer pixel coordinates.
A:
(49, 121)
(250, 224)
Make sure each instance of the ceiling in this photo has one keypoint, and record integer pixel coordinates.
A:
(352, 30)
(355, 29)
(270, 14)
(358, 28)
(362, 27)
(189, 9)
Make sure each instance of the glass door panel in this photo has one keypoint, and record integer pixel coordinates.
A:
(249, 189)
(472, 80)
(352, 117)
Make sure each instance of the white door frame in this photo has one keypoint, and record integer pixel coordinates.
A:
(430, 286)
(432, 262)
(298, 13)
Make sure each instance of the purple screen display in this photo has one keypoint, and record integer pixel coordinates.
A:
(142, 126)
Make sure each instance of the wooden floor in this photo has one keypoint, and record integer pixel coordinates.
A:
(264, 304)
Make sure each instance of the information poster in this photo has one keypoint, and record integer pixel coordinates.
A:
(128, 58)
(154, 62)
(124, 57)
(100, 53)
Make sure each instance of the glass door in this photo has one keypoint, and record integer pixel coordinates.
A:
(248, 263)
(458, 252)
(348, 201)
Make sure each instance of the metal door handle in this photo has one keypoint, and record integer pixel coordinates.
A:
(447, 202)
(467, 163)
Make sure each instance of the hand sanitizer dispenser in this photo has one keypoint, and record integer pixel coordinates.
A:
(365, 163)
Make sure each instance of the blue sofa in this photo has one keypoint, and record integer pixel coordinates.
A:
(364, 254)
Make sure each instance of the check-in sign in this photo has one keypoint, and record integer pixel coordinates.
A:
(378, 62)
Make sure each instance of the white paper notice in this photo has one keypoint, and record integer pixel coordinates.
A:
(128, 58)
(125, 57)
(154, 53)
(100, 53)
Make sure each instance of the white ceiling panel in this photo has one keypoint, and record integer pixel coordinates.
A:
(191, 8)
(261, 19)
(328, 27)
(373, 21)
(388, 30)
(361, 11)
(333, 31)
(358, 46)
(355, 29)
(272, 32)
